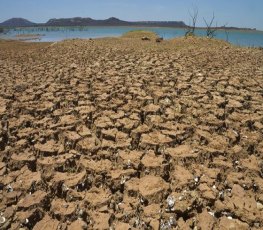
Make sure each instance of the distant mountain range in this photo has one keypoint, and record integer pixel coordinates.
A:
(78, 21)
(21, 22)
(110, 22)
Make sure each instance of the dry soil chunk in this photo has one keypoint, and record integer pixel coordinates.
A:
(84, 131)
(37, 199)
(206, 192)
(130, 159)
(68, 179)
(18, 160)
(2, 169)
(78, 225)
(242, 204)
(32, 216)
(153, 188)
(50, 147)
(87, 145)
(63, 209)
(122, 226)
(119, 177)
(96, 166)
(152, 163)
(151, 108)
(11, 198)
(182, 151)
(54, 161)
(183, 202)
(27, 179)
(181, 177)
(139, 130)
(154, 138)
(232, 224)
(71, 136)
(68, 120)
(100, 221)
(103, 123)
(152, 211)
(97, 197)
(47, 223)
(206, 221)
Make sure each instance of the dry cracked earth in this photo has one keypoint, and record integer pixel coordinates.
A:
(120, 133)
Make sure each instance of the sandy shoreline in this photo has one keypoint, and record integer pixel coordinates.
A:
(125, 133)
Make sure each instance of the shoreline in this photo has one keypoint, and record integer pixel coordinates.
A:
(159, 27)
(34, 37)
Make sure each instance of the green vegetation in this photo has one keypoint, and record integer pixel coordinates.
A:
(1, 30)
(139, 34)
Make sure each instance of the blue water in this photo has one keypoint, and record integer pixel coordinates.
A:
(51, 34)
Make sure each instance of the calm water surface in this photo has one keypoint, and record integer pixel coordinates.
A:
(51, 34)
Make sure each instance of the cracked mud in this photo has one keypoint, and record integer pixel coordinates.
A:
(129, 134)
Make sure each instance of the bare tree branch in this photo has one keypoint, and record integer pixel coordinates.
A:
(191, 28)
(226, 32)
(210, 30)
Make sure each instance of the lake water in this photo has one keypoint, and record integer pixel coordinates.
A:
(51, 34)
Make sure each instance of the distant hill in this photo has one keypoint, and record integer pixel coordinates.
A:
(179, 24)
(85, 22)
(68, 22)
(109, 22)
(17, 22)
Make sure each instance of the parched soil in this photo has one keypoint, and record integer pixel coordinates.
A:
(120, 133)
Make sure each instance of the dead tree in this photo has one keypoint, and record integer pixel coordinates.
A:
(226, 32)
(191, 28)
(210, 30)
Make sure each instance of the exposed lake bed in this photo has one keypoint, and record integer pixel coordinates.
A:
(128, 133)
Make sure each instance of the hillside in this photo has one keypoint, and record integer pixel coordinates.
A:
(17, 22)
(85, 22)
(109, 22)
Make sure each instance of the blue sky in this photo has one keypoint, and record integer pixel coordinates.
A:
(241, 13)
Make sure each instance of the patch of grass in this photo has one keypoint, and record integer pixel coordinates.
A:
(139, 34)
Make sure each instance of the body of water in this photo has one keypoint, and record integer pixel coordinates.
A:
(51, 34)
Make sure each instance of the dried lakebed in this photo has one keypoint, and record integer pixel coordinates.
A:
(127, 134)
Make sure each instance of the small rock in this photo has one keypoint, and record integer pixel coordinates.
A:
(259, 206)
(145, 39)
(170, 201)
(9, 188)
(73, 66)
(159, 39)
(2, 220)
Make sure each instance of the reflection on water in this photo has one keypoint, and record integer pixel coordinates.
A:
(242, 38)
